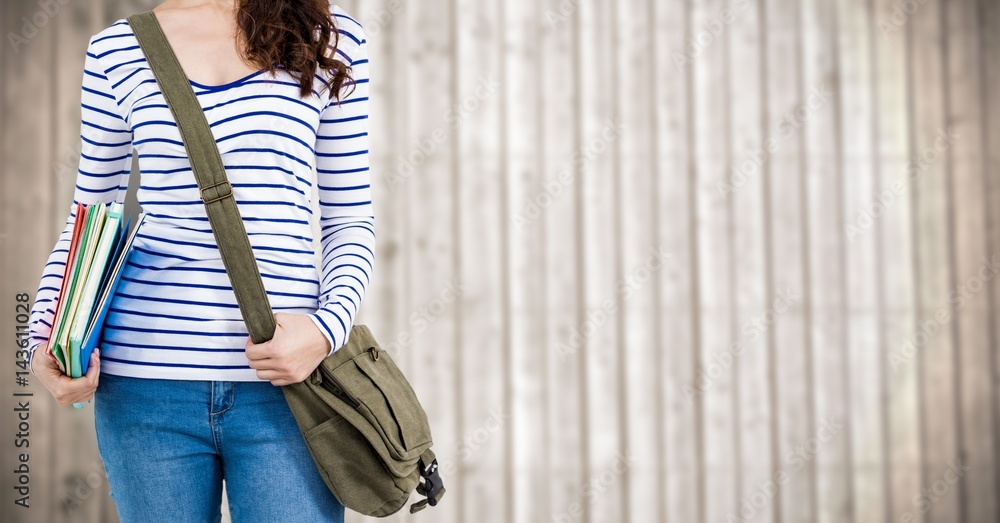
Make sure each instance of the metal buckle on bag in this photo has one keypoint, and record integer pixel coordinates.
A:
(224, 192)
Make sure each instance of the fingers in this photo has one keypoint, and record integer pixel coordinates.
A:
(48, 364)
(273, 370)
(50, 373)
(259, 351)
(271, 375)
(264, 363)
(272, 359)
(67, 390)
(94, 371)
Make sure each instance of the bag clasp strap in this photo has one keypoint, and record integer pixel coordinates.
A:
(432, 486)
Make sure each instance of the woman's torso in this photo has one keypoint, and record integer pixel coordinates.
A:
(175, 297)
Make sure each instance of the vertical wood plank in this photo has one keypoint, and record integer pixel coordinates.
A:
(676, 234)
(989, 35)
(480, 315)
(561, 73)
(787, 250)
(715, 313)
(746, 199)
(7, 255)
(29, 187)
(828, 444)
(528, 277)
(600, 270)
(935, 276)
(855, 29)
(975, 266)
(897, 243)
(642, 261)
(430, 187)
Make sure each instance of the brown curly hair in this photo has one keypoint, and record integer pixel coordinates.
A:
(295, 34)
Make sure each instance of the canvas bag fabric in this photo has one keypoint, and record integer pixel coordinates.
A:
(367, 432)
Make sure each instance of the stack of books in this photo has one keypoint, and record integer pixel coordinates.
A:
(97, 255)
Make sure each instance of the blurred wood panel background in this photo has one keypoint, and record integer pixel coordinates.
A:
(643, 260)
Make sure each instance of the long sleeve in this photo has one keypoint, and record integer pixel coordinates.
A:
(344, 186)
(102, 177)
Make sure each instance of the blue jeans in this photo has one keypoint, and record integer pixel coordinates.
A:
(168, 444)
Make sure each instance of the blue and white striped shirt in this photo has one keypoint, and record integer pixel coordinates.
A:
(174, 314)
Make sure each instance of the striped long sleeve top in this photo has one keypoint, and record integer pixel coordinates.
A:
(174, 314)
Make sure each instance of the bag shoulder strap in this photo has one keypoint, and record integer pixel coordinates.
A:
(206, 163)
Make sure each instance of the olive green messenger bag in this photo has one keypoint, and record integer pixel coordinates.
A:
(364, 426)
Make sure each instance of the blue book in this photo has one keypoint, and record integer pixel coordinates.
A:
(95, 328)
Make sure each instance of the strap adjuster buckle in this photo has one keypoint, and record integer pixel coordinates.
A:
(223, 189)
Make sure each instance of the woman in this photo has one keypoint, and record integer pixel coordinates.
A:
(182, 397)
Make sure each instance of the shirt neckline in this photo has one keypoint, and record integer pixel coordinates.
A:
(227, 85)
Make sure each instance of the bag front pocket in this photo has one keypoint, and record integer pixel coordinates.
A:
(347, 463)
(387, 400)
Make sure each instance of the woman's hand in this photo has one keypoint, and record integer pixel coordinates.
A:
(64, 389)
(296, 349)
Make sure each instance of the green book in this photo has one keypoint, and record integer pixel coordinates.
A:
(107, 237)
(85, 255)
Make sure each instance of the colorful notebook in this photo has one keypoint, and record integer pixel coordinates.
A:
(73, 297)
(107, 235)
(97, 254)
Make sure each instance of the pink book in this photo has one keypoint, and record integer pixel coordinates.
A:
(81, 216)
